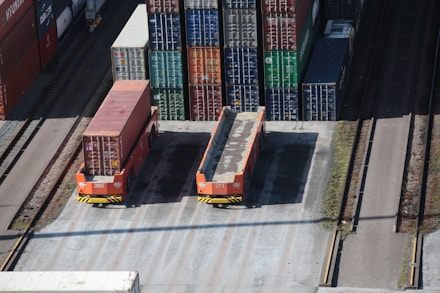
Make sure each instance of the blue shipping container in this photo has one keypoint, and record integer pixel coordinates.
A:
(282, 104)
(324, 83)
(243, 98)
(164, 31)
(202, 27)
(239, 4)
(241, 65)
(45, 16)
(165, 69)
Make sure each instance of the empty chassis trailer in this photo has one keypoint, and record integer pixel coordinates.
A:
(228, 162)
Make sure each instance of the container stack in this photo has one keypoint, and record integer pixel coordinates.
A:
(129, 50)
(240, 51)
(287, 38)
(19, 52)
(204, 60)
(165, 58)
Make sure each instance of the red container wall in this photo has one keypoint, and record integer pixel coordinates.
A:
(162, 6)
(111, 134)
(204, 65)
(17, 42)
(302, 11)
(279, 5)
(205, 102)
(21, 78)
(279, 31)
(11, 11)
(48, 45)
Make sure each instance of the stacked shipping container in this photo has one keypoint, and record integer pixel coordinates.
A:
(324, 83)
(165, 58)
(19, 52)
(47, 30)
(204, 59)
(129, 50)
(287, 38)
(240, 51)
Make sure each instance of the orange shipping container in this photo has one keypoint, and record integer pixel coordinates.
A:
(204, 66)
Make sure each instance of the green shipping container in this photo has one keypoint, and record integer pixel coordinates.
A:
(280, 69)
(170, 102)
(166, 69)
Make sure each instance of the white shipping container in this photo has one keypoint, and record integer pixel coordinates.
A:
(129, 50)
(70, 281)
(201, 4)
(63, 21)
(240, 28)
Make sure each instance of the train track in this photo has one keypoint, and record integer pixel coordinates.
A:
(20, 134)
(412, 204)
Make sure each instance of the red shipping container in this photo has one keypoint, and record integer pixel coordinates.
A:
(279, 31)
(48, 45)
(279, 5)
(11, 11)
(17, 42)
(114, 129)
(204, 65)
(162, 6)
(205, 102)
(19, 81)
(302, 11)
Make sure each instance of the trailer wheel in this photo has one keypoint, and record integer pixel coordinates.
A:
(220, 205)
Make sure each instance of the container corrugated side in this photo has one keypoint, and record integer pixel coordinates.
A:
(19, 81)
(279, 31)
(129, 50)
(324, 83)
(11, 12)
(45, 16)
(280, 69)
(278, 5)
(111, 134)
(241, 65)
(171, 103)
(205, 102)
(201, 4)
(202, 27)
(305, 43)
(282, 104)
(231, 4)
(48, 45)
(164, 31)
(243, 98)
(162, 6)
(302, 11)
(17, 43)
(166, 69)
(204, 65)
(240, 28)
